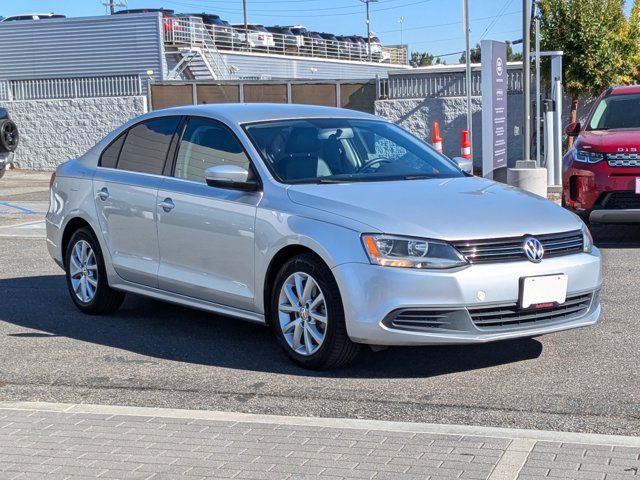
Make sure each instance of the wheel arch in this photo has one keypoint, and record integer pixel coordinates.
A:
(72, 226)
(276, 263)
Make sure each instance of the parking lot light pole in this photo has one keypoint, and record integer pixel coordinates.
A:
(526, 61)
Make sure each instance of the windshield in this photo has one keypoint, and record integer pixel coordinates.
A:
(331, 150)
(617, 111)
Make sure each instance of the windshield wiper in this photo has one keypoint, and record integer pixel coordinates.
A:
(418, 177)
(331, 180)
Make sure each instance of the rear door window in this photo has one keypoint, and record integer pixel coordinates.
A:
(146, 146)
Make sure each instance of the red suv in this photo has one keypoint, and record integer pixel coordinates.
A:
(601, 173)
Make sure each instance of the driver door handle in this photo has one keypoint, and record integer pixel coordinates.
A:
(167, 205)
(103, 193)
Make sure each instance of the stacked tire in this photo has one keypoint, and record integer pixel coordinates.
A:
(9, 139)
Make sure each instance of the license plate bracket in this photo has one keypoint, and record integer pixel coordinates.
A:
(543, 290)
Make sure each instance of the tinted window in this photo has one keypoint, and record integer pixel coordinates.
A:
(109, 157)
(207, 143)
(617, 111)
(146, 146)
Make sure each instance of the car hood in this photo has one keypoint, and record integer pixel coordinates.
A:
(448, 209)
(610, 141)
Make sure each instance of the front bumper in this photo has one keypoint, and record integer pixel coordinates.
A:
(371, 294)
(585, 185)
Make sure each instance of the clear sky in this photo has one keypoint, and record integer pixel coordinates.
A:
(429, 25)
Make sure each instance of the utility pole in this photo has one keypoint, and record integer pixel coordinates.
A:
(401, 21)
(526, 60)
(467, 33)
(246, 24)
(368, 22)
(112, 6)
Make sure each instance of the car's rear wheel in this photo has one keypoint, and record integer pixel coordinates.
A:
(86, 275)
(307, 315)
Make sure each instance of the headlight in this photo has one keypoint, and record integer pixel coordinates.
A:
(587, 240)
(392, 251)
(587, 157)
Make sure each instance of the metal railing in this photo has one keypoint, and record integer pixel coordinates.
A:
(76, 87)
(440, 84)
(192, 31)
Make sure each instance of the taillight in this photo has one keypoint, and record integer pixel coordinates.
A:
(53, 179)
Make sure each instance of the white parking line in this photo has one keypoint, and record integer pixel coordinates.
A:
(35, 229)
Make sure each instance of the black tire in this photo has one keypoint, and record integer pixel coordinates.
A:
(337, 349)
(9, 136)
(105, 300)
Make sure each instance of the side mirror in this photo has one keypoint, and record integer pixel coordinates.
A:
(573, 129)
(230, 176)
(465, 165)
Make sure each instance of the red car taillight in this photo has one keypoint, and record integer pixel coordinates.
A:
(260, 37)
(53, 179)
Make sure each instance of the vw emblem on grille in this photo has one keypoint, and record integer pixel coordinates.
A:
(533, 249)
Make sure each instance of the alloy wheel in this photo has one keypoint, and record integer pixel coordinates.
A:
(302, 311)
(83, 271)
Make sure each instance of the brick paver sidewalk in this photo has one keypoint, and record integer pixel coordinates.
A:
(52, 441)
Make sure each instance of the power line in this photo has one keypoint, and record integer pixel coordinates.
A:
(448, 24)
(506, 5)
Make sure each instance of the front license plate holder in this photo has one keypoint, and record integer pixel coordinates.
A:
(543, 290)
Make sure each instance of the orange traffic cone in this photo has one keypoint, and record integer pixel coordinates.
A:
(436, 139)
(465, 145)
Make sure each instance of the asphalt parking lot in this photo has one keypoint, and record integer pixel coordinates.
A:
(154, 354)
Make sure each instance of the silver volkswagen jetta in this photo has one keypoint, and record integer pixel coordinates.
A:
(335, 228)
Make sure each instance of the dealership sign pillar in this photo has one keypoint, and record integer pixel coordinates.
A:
(494, 110)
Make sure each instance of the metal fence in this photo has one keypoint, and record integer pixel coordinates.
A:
(440, 84)
(76, 87)
(192, 31)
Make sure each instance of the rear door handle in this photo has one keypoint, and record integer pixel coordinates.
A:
(103, 193)
(167, 205)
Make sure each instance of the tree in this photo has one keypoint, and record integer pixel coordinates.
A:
(601, 46)
(424, 59)
(476, 54)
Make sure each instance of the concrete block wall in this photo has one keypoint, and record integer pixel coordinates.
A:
(53, 131)
(418, 115)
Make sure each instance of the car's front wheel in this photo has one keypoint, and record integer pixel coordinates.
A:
(87, 277)
(307, 315)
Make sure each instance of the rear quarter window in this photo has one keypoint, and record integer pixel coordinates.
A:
(109, 157)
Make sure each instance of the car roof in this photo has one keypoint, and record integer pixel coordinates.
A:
(32, 15)
(241, 113)
(625, 90)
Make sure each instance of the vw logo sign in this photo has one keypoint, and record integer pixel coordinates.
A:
(533, 249)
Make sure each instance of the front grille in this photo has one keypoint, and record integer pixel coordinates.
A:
(510, 315)
(623, 159)
(419, 319)
(512, 249)
(620, 201)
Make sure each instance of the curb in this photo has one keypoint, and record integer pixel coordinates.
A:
(468, 430)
